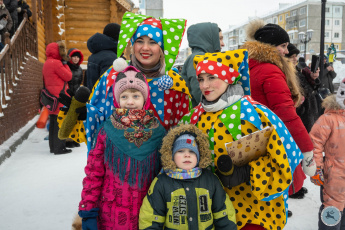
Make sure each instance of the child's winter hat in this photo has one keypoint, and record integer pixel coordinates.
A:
(230, 66)
(131, 78)
(186, 141)
(340, 98)
(112, 30)
(152, 28)
(169, 32)
(75, 52)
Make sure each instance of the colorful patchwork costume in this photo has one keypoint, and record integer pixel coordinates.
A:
(263, 199)
(168, 91)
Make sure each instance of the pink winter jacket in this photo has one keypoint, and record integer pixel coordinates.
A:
(119, 203)
(328, 135)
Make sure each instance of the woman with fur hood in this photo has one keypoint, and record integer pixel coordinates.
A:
(186, 195)
(327, 136)
(56, 74)
(274, 83)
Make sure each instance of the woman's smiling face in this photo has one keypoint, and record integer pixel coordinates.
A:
(211, 86)
(147, 51)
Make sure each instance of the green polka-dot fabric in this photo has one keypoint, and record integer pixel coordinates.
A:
(173, 31)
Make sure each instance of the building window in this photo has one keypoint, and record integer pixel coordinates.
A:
(281, 18)
(337, 10)
(301, 47)
(336, 22)
(294, 13)
(275, 20)
(336, 35)
(336, 47)
(269, 20)
(302, 23)
(302, 11)
(286, 16)
(326, 47)
(241, 31)
(326, 34)
(327, 9)
(327, 22)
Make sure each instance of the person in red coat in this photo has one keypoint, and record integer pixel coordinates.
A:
(56, 74)
(274, 84)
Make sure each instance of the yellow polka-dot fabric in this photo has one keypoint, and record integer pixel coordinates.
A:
(247, 197)
(179, 83)
(78, 133)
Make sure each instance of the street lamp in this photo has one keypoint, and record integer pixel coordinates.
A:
(305, 39)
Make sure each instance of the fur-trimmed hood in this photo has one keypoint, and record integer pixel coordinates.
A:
(331, 105)
(201, 140)
(266, 53)
(57, 50)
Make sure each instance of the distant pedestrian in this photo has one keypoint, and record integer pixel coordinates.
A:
(76, 58)
(327, 135)
(328, 76)
(56, 74)
(23, 8)
(12, 6)
(202, 38)
(104, 51)
(6, 22)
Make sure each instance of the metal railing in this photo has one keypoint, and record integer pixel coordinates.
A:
(12, 57)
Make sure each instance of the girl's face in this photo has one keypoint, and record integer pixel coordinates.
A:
(131, 99)
(147, 52)
(293, 58)
(282, 49)
(75, 59)
(185, 159)
(211, 86)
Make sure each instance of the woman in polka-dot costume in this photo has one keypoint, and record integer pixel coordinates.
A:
(259, 189)
(155, 45)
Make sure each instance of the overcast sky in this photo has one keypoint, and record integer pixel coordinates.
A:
(222, 12)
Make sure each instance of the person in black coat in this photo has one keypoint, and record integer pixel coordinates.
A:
(12, 6)
(104, 51)
(308, 111)
(22, 7)
(76, 58)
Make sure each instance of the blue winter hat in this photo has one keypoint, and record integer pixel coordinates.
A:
(186, 141)
(152, 28)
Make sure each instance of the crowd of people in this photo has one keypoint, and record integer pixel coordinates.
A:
(11, 15)
(158, 143)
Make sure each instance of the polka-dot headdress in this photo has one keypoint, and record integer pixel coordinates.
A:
(340, 97)
(230, 66)
(172, 30)
(152, 28)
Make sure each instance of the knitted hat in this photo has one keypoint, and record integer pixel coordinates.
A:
(112, 30)
(340, 98)
(172, 33)
(292, 50)
(272, 34)
(186, 141)
(301, 63)
(152, 28)
(230, 66)
(131, 78)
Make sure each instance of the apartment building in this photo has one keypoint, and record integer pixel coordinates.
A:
(300, 17)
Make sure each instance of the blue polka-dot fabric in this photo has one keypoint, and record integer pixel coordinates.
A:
(157, 95)
(244, 72)
(249, 113)
(152, 32)
(98, 109)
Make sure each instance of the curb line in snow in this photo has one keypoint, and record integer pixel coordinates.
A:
(14, 141)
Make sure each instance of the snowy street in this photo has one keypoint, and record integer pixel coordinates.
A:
(40, 190)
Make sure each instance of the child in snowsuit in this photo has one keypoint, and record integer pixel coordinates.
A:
(185, 195)
(328, 135)
(124, 158)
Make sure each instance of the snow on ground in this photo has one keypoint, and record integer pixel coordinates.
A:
(41, 191)
(339, 68)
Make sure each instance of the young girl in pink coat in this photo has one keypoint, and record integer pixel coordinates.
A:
(328, 135)
(124, 159)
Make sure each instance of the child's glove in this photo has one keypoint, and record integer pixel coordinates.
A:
(89, 219)
(318, 178)
(231, 175)
(308, 163)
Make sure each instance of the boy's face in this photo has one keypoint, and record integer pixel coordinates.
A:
(131, 99)
(185, 159)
